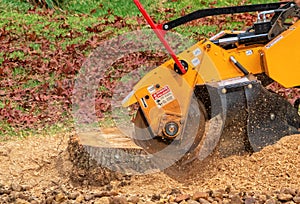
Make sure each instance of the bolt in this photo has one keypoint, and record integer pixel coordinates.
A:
(171, 129)
(272, 116)
(250, 86)
(166, 27)
(224, 91)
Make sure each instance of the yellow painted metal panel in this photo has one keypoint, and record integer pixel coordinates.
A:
(282, 57)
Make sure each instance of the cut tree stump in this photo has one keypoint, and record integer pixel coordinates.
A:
(98, 160)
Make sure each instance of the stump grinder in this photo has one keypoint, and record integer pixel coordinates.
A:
(212, 95)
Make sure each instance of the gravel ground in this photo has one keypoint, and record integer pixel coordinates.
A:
(22, 194)
(37, 170)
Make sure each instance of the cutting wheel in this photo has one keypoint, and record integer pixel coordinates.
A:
(186, 142)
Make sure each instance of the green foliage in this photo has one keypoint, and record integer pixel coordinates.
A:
(157, 7)
(14, 5)
(7, 132)
(67, 35)
(47, 27)
(17, 55)
(19, 72)
(51, 4)
(31, 83)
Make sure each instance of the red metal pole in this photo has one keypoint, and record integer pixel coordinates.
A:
(157, 28)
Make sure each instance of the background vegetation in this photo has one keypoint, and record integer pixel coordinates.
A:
(44, 43)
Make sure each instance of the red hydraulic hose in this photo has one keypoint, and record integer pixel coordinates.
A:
(157, 28)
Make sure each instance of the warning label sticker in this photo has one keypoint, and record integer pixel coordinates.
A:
(163, 96)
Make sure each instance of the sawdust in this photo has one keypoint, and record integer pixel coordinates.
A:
(269, 170)
(42, 162)
(37, 162)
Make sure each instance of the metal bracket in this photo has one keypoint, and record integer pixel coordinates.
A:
(219, 11)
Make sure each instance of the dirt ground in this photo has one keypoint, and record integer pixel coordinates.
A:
(39, 164)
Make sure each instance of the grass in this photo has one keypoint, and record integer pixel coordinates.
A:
(15, 12)
(77, 16)
(45, 26)
(14, 5)
(17, 55)
(127, 7)
(31, 84)
(19, 72)
(7, 132)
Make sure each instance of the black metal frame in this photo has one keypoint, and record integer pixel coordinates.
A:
(219, 11)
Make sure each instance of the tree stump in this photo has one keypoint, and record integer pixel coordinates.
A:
(98, 161)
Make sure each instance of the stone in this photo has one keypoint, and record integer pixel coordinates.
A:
(119, 200)
(284, 197)
(171, 199)
(5, 191)
(134, 199)
(21, 201)
(262, 198)
(192, 202)
(14, 195)
(23, 196)
(175, 191)
(149, 202)
(26, 187)
(60, 197)
(162, 201)
(105, 194)
(155, 197)
(50, 200)
(217, 194)
(218, 200)
(203, 201)
(228, 189)
(199, 195)
(291, 191)
(270, 201)
(89, 197)
(236, 200)
(80, 198)
(16, 187)
(182, 197)
(109, 187)
(73, 195)
(250, 200)
(210, 199)
(298, 192)
(226, 201)
(296, 199)
(290, 202)
(103, 200)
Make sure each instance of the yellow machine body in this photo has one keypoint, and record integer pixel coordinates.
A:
(282, 57)
(164, 95)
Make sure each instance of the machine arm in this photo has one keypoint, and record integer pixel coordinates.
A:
(219, 11)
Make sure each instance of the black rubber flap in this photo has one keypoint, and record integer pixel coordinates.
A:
(270, 117)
